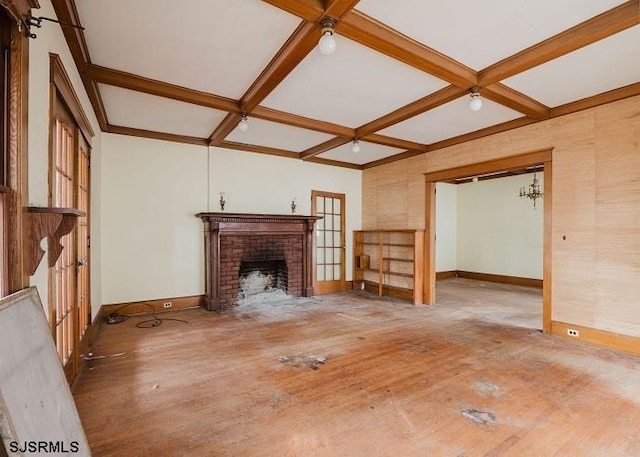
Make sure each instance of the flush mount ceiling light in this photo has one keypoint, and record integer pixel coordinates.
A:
(327, 43)
(476, 102)
(243, 126)
(356, 146)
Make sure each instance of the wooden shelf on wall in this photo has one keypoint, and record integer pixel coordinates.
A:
(48, 222)
(390, 262)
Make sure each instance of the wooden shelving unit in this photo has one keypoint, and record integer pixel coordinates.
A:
(390, 262)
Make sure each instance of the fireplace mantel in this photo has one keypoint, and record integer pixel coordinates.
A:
(219, 227)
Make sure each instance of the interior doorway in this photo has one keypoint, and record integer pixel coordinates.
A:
(541, 159)
(329, 242)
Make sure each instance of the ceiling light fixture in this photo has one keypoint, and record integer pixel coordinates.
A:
(356, 146)
(243, 126)
(476, 102)
(327, 43)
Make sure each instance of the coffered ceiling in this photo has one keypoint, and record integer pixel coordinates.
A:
(399, 80)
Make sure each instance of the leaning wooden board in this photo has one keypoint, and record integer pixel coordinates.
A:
(37, 413)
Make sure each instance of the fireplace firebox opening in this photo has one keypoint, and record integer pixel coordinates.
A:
(262, 276)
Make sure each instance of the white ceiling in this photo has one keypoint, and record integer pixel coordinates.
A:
(221, 47)
(216, 46)
(138, 110)
(478, 34)
(351, 87)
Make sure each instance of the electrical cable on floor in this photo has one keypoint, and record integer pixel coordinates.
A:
(116, 318)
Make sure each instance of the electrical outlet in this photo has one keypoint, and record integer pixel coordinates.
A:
(167, 304)
(572, 332)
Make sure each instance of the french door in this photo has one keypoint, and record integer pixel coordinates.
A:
(329, 242)
(70, 307)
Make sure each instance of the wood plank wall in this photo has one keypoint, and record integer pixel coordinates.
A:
(596, 206)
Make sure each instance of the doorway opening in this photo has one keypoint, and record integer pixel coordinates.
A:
(538, 160)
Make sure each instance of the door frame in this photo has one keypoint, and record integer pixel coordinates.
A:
(541, 157)
(318, 286)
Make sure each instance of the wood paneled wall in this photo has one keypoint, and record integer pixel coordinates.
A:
(596, 206)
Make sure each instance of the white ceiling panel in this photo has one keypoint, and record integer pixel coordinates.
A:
(600, 67)
(449, 120)
(142, 111)
(281, 136)
(368, 153)
(216, 46)
(479, 34)
(351, 87)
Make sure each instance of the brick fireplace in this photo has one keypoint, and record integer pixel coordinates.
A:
(237, 241)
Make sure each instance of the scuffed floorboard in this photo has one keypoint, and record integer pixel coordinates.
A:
(396, 380)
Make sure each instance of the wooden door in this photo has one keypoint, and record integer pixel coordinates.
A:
(82, 240)
(70, 306)
(329, 242)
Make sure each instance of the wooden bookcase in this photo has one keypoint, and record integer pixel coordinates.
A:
(389, 262)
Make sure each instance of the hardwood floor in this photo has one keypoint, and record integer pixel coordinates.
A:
(453, 379)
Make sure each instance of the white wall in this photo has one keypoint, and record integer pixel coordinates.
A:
(151, 190)
(50, 39)
(446, 227)
(498, 232)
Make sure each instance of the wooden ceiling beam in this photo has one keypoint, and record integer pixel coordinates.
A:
(376, 35)
(294, 120)
(395, 142)
(515, 100)
(66, 12)
(161, 89)
(338, 8)
(259, 149)
(140, 133)
(588, 32)
(427, 103)
(309, 10)
(334, 163)
(224, 128)
(303, 40)
(324, 147)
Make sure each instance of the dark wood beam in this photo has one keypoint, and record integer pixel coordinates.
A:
(376, 35)
(66, 12)
(156, 135)
(390, 159)
(282, 117)
(394, 142)
(224, 128)
(309, 10)
(324, 147)
(621, 93)
(334, 163)
(337, 9)
(427, 103)
(515, 100)
(303, 40)
(259, 149)
(161, 89)
(606, 24)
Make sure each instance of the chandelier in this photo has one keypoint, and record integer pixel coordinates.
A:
(532, 191)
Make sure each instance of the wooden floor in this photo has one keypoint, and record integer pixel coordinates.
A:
(453, 379)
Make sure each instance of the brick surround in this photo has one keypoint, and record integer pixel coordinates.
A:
(235, 249)
(231, 239)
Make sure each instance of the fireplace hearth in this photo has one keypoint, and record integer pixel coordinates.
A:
(235, 243)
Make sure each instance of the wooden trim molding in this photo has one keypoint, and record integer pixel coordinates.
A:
(503, 279)
(60, 79)
(446, 274)
(596, 337)
(535, 158)
(142, 306)
(129, 131)
(259, 149)
(489, 166)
